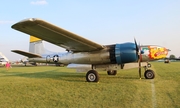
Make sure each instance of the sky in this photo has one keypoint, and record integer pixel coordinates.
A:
(151, 22)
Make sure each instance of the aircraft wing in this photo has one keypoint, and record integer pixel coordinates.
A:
(27, 54)
(56, 35)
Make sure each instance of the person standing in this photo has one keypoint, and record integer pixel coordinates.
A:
(8, 65)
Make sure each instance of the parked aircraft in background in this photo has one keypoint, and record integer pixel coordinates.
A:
(168, 60)
(83, 51)
(3, 59)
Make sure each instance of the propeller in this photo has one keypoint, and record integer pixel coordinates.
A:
(138, 52)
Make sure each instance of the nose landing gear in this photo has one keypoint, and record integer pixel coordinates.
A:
(149, 74)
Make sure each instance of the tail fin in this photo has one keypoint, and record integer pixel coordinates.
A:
(36, 46)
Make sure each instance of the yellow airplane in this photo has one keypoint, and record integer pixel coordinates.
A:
(82, 52)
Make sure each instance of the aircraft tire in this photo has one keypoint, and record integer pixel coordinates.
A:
(112, 72)
(92, 76)
(149, 74)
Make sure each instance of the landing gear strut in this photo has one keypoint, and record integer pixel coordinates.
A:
(149, 74)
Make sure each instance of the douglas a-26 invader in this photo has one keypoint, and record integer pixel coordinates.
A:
(83, 51)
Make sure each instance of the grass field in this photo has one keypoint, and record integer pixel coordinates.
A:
(62, 88)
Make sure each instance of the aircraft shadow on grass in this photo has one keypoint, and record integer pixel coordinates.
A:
(54, 74)
(121, 77)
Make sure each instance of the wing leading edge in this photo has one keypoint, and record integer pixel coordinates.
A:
(56, 35)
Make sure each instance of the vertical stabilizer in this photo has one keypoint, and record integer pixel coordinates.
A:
(36, 46)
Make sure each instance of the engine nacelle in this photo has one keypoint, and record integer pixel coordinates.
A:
(123, 53)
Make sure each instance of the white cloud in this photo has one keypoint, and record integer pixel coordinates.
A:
(6, 22)
(39, 2)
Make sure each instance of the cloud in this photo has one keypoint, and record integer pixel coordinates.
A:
(39, 2)
(6, 22)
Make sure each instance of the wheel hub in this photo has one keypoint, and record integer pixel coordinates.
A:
(91, 77)
(149, 74)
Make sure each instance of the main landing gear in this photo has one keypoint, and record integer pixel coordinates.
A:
(92, 76)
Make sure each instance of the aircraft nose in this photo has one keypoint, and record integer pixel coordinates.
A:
(157, 52)
(166, 51)
(162, 51)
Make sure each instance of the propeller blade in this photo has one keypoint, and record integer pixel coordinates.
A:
(138, 52)
(137, 49)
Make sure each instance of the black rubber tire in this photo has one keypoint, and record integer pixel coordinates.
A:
(109, 72)
(115, 72)
(112, 72)
(149, 74)
(92, 76)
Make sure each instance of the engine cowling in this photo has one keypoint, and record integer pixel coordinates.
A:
(123, 53)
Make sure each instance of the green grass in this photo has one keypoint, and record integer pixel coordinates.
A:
(61, 87)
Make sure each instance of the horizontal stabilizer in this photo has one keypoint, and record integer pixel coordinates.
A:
(27, 54)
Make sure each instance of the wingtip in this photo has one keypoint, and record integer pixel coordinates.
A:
(14, 26)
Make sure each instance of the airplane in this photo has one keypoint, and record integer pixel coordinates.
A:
(80, 50)
(168, 59)
(3, 59)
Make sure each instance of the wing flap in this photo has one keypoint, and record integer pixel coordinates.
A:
(56, 35)
(27, 54)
